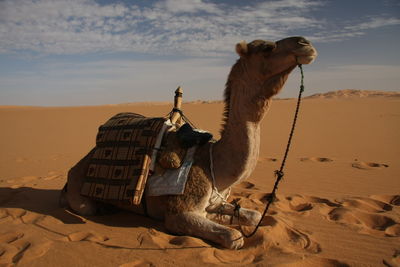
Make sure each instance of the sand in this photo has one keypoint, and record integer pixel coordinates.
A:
(338, 205)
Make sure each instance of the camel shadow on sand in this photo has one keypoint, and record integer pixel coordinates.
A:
(45, 202)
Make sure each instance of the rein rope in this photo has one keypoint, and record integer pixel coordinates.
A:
(278, 173)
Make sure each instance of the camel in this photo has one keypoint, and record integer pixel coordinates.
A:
(260, 73)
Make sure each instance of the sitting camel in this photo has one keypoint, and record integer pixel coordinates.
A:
(258, 75)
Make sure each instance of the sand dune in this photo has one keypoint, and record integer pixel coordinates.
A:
(351, 93)
(339, 204)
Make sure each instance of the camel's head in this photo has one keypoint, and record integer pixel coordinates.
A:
(264, 59)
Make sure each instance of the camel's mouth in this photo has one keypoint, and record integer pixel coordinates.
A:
(306, 54)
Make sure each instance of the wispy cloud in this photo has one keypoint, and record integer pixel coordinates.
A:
(373, 23)
(186, 27)
(188, 6)
(351, 29)
(170, 26)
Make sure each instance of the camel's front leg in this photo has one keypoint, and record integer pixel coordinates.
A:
(225, 214)
(194, 224)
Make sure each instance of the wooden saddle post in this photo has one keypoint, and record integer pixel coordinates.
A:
(176, 114)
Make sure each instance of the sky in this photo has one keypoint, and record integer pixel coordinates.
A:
(94, 52)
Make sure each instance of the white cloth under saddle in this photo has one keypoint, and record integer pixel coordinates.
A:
(173, 181)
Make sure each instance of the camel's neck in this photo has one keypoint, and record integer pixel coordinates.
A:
(235, 155)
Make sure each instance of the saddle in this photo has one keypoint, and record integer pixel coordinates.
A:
(127, 148)
(120, 163)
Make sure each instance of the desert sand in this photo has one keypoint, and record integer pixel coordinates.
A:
(338, 205)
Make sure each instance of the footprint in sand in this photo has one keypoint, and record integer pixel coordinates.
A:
(51, 175)
(368, 165)
(28, 179)
(153, 239)
(21, 215)
(218, 257)
(262, 159)
(372, 221)
(85, 236)
(301, 204)
(394, 261)
(367, 215)
(16, 214)
(289, 204)
(31, 218)
(246, 185)
(137, 263)
(12, 247)
(240, 194)
(187, 241)
(26, 217)
(323, 201)
(389, 199)
(283, 235)
(10, 237)
(3, 213)
(316, 159)
(16, 246)
(367, 204)
(261, 199)
(317, 261)
(22, 181)
(21, 160)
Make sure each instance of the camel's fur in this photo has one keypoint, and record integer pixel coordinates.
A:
(257, 76)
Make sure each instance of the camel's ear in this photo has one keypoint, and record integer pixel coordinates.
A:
(241, 48)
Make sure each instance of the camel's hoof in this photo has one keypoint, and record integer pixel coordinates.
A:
(234, 240)
(249, 217)
(253, 218)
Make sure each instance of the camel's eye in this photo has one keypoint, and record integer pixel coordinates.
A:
(266, 51)
(267, 48)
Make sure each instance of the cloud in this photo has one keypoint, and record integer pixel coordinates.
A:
(191, 27)
(188, 6)
(373, 23)
(355, 29)
(178, 27)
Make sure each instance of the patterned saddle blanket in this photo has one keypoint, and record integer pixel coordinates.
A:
(121, 161)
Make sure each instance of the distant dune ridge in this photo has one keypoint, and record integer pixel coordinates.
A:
(345, 93)
(349, 93)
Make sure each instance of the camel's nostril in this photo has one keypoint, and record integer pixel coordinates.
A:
(303, 41)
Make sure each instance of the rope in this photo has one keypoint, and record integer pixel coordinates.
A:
(186, 119)
(214, 188)
(278, 173)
